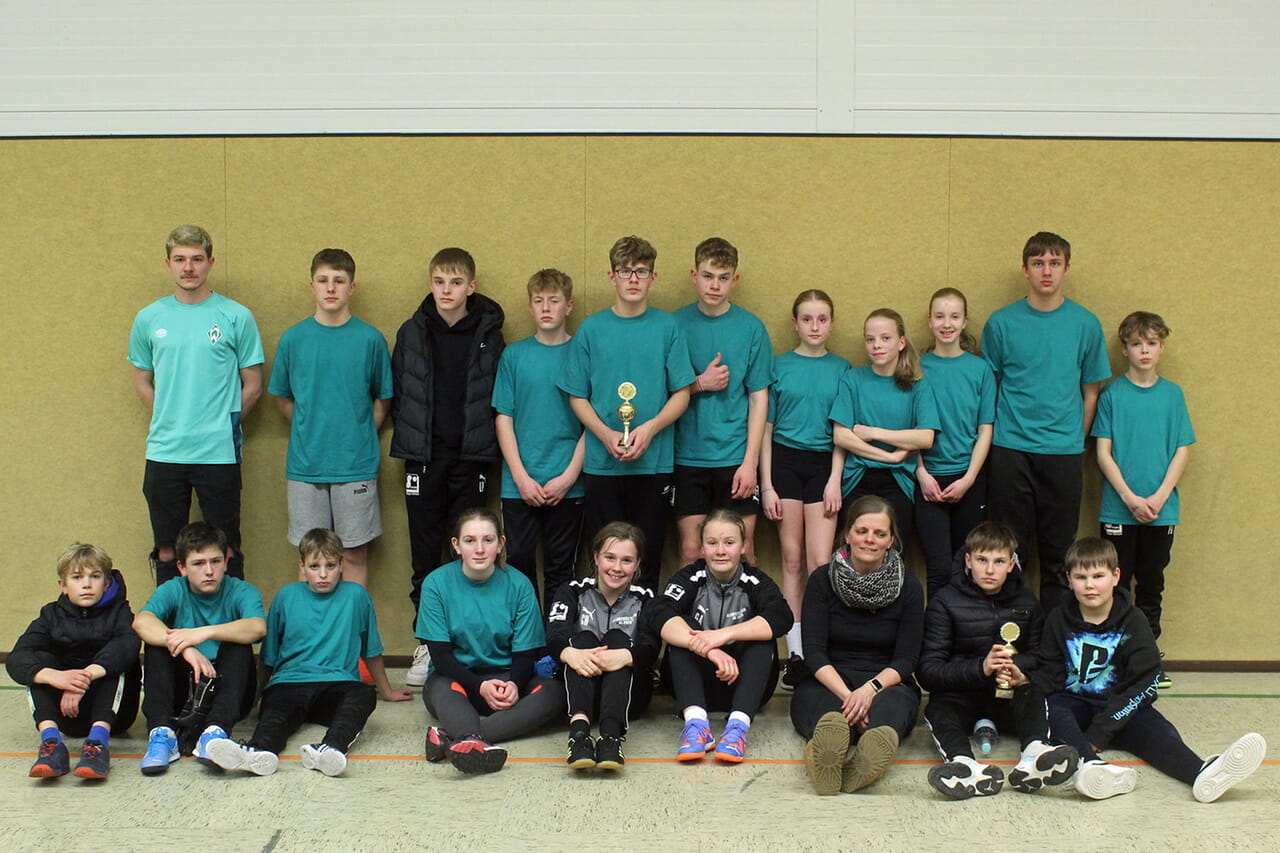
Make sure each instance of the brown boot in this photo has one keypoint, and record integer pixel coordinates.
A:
(871, 757)
(824, 754)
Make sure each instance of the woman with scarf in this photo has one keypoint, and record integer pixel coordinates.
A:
(862, 624)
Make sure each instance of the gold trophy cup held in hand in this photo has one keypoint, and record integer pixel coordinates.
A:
(1009, 632)
(626, 412)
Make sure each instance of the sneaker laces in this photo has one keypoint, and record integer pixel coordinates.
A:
(47, 748)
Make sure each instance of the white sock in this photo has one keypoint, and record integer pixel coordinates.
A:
(794, 644)
(694, 712)
(740, 717)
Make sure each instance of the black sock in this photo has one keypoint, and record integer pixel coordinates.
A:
(579, 728)
(610, 727)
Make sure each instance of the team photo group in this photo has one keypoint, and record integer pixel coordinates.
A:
(640, 421)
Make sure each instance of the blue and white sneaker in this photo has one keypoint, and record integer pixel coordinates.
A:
(695, 741)
(230, 755)
(202, 745)
(733, 743)
(162, 750)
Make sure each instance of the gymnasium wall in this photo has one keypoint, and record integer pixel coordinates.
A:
(1175, 227)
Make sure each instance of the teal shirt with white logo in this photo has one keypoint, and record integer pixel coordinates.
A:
(965, 390)
(195, 353)
(547, 431)
(800, 399)
(313, 636)
(485, 621)
(648, 351)
(865, 397)
(1041, 358)
(1146, 427)
(712, 432)
(333, 374)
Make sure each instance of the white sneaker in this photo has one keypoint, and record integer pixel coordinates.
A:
(230, 755)
(1235, 763)
(1099, 780)
(1042, 764)
(417, 674)
(965, 777)
(322, 757)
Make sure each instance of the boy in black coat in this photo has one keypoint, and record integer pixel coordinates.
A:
(79, 661)
(970, 672)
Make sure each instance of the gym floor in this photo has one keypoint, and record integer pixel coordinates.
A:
(390, 799)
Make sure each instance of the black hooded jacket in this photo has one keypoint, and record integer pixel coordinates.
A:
(961, 624)
(67, 636)
(413, 372)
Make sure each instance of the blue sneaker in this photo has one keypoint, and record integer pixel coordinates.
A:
(162, 750)
(545, 666)
(95, 760)
(202, 745)
(695, 741)
(52, 762)
(733, 743)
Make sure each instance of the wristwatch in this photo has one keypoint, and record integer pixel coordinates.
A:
(875, 683)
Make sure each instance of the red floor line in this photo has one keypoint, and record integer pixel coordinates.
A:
(906, 762)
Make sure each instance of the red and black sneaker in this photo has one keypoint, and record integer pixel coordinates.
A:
(52, 762)
(472, 755)
(438, 743)
(95, 760)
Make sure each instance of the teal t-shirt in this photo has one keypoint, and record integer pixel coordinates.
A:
(1146, 427)
(712, 432)
(546, 429)
(196, 353)
(648, 351)
(483, 622)
(333, 374)
(964, 389)
(1041, 358)
(800, 399)
(866, 398)
(177, 606)
(314, 636)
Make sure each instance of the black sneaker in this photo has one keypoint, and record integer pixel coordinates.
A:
(438, 743)
(581, 753)
(793, 672)
(472, 755)
(1163, 681)
(52, 762)
(609, 753)
(965, 777)
(95, 760)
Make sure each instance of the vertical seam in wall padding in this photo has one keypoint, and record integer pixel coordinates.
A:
(951, 142)
(226, 207)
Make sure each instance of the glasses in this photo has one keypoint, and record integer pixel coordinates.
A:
(641, 273)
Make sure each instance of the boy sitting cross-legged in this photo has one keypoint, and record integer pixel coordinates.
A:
(1100, 668)
(963, 661)
(79, 661)
(316, 633)
(198, 632)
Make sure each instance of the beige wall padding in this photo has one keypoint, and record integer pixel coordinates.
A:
(1174, 227)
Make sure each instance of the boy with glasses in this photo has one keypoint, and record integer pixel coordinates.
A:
(629, 359)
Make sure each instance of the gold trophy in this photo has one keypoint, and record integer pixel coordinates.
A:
(1009, 632)
(626, 412)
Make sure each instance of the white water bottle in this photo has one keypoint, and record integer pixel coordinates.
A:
(984, 732)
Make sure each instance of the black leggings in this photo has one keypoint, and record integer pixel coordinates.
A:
(112, 700)
(694, 681)
(611, 698)
(951, 717)
(894, 706)
(1147, 735)
(942, 527)
(343, 706)
(462, 715)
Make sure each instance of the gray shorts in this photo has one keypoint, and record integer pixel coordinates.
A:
(349, 509)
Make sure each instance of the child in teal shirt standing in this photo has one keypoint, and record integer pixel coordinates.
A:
(1144, 435)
